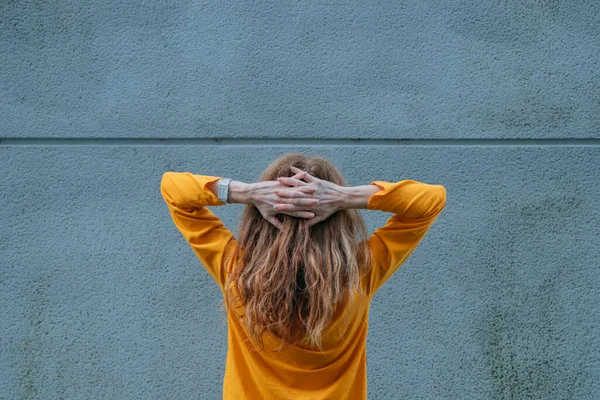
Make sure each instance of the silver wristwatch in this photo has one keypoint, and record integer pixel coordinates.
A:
(224, 189)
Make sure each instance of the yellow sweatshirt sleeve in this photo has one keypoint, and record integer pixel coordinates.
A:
(415, 206)
(186, 196)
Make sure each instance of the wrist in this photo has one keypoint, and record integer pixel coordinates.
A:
(344, 198)
(358, 196)
(239, 192)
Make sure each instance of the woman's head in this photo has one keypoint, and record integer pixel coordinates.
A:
(290, 280)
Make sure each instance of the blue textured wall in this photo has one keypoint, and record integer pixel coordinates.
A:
(101, 297)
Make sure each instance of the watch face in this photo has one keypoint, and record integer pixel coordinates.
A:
(223, 191)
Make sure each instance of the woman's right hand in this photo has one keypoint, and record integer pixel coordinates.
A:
(329, 195)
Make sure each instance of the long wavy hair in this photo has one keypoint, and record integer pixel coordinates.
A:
(289, 282)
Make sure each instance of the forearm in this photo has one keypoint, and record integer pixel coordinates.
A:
(239, 192)
(357, 196)
(348, 197)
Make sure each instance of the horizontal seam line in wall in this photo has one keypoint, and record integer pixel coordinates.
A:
(291, 142)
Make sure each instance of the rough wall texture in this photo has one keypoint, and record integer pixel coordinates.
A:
(102, 298)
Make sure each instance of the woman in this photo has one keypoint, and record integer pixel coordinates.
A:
(299, 280)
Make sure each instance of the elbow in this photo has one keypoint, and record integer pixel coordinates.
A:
(432, 202)
(442, 195)
(441, 198)
(166, 184)
(165, 179)
(171, 190)
(437, 201)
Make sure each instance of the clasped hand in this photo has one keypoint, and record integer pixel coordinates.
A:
(313, 199)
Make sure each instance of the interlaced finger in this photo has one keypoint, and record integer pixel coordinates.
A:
(299, 175)
(291, 181)
(294, 204)
(308, 177)
(302, 191)
(298, 201)
(302, 214)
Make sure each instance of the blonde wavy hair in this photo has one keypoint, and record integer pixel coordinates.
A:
(288, 282)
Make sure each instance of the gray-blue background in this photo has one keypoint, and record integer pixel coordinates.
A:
(101, 297)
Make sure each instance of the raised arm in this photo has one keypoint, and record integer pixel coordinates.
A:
(187, 196)
(415, 206)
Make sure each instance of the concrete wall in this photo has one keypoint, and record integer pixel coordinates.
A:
(101, 297)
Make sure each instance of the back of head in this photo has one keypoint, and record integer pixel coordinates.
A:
(289, 281)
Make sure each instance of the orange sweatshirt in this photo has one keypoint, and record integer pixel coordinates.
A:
(340, 370)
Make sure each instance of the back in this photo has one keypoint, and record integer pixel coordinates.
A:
(339, 371)
(336, 372)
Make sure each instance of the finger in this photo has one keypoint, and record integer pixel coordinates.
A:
(315, 220)
(295, 193)
(299, 175)
(276, 222)
(308, 177)
(291, 181)
(295, 189)
(304, 214)
(285, 207)
(300, 214)
(306, 189)
(297, 201)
